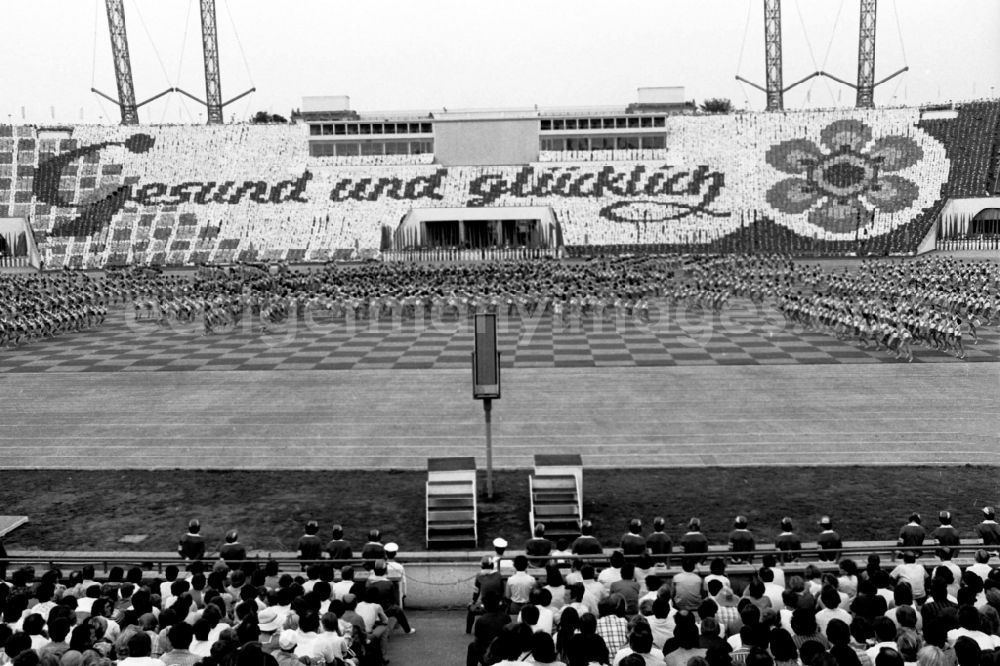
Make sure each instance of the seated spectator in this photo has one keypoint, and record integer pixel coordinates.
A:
(741, 540)
(543, 650)
(628, 587)
(633, 543)
(139, 648)
(640, 642)
(587, 543)
(537, 548)
(885, 637)
(806, 628)
(612, 625)
(487, 627)
(180, 636)
(659, 544)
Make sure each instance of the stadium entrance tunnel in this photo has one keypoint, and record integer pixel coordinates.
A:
(970, 216)
(503, 227)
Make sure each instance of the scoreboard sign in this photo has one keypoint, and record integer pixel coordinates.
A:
(486, 359)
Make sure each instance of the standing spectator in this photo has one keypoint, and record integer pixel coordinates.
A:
(191, 546)
(828, 541)
(519, 586)
(659, 542)
(338, 549)
(632, 542)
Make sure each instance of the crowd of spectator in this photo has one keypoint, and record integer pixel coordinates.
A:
(636, 611)
(230, 612)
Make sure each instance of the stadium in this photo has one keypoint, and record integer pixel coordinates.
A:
(650, 380)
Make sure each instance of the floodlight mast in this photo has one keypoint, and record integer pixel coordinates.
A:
(866, 55)
(213, 77)
(210, 46)
(772, 55)
(123, 65)
(866, 83)
(775, 89)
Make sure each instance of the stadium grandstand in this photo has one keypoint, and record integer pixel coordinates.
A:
(583, 182)
(749, 415)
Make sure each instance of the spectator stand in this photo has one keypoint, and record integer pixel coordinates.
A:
(451, 502)
(556, 488)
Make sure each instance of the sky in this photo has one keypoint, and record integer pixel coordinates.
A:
(465, 54)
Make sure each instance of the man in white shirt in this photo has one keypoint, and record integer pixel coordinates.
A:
(520, 585)
(593, 587)
(612, 573)
(343, 586)
(981, 567)
(830, 598)
(913, 573)
(772, 590)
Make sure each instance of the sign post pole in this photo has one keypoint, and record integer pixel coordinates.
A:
(487, 414)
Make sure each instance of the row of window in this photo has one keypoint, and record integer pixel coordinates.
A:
(648, 142)
(621, 122)
(355, 148)
(353, 129)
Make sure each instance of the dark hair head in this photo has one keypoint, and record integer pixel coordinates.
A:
(804, 622)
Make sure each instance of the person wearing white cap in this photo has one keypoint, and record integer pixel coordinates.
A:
(394, 571)
(502, 564)
(269, 622)
(285, 654)
(989, 530)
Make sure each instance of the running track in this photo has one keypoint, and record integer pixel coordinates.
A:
(801, 414)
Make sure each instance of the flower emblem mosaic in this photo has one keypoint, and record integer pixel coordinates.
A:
(854, 181)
